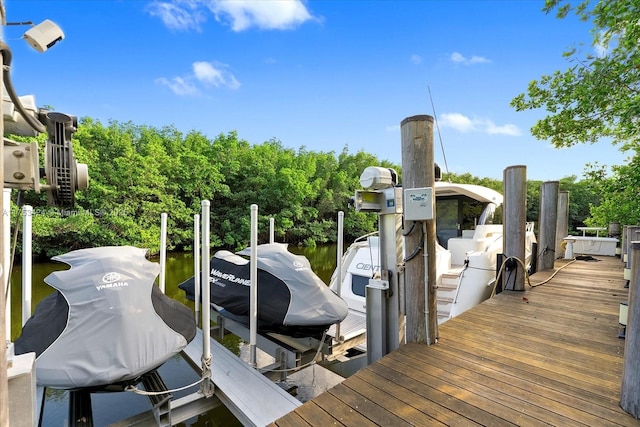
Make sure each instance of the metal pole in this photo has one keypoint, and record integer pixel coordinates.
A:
(27, 259)
(339, 252)
(390, 246)
(272, 230)
(206, 388)
(253, 276)
(6, 259)
(206, 296)
(163, 249)
(196, 264)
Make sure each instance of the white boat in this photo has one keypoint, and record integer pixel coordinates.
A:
(469, 239)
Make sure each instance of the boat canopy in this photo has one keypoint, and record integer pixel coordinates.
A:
(477, 192)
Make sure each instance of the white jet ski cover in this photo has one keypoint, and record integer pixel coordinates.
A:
(107, 325)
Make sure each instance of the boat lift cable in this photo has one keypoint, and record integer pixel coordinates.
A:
(435, 119)
(136, 390)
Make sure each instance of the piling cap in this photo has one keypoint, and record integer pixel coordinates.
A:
(418, 118)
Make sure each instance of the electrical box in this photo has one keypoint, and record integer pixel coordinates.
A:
(386, 201)
(418, 204)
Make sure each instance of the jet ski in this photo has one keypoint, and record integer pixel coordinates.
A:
(107, 324)
(292, 299)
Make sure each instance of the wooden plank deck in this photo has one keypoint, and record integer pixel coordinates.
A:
(547, 356)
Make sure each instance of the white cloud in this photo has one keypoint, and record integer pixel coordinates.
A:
(508, 129)
(457, 121)
(213, 74)
(416, 59)
(239, 14)
(204, 75)
(267, 15)
(392, 128)
(464, 124)
(177, 15)
(179, 86)
(458, 58)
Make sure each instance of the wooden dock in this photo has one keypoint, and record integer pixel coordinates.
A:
(547, 356)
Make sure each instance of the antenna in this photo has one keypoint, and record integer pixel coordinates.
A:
(435, 118)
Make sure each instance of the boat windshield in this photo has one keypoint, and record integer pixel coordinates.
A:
(458, 213)
(492, 214)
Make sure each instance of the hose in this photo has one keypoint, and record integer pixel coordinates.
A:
(6, 77)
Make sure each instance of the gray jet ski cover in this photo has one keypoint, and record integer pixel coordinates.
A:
(118, 324)
(311, 301)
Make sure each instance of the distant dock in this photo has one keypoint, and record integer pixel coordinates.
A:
(547, 356)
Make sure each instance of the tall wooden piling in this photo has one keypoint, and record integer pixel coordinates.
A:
(562, 224)
(630, 393)
(514, 227)
(547, 224)
(417, 172)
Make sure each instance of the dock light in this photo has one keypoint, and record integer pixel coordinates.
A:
(44, 35)
(64, 175)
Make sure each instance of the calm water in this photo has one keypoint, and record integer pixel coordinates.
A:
(175, 372)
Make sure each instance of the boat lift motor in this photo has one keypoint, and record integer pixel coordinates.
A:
(385, 307)
(63, 174)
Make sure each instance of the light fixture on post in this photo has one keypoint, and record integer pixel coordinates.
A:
(42, 36)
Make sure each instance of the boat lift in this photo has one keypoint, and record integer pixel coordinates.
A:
(251, 397)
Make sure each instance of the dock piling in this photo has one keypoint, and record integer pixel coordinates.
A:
(547, 223)
(562, 224)
(515, 211)
(420, 274)
(630, 394)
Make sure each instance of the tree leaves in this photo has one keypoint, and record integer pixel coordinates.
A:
(139, 172)
(597, 97)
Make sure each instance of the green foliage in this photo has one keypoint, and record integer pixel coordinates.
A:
(139, 172)
(597, 96)
(619, 195)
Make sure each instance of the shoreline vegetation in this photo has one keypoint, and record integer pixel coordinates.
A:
(139, 172)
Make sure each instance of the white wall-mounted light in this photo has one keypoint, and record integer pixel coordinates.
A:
(44, 35)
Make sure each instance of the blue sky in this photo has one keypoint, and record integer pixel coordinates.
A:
(318, 74)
